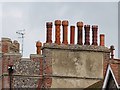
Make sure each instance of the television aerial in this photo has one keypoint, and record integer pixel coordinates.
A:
(21, 33)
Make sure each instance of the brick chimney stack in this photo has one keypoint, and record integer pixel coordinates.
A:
(94, 34)
(57, 31)
(87, 34)
(49, 32)
(80, 31)
(72, 34)
(102, 36)
(65, 32)
(38, 45)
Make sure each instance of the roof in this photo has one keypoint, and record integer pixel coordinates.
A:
(115, 66)
(97, 85)
(114, 69)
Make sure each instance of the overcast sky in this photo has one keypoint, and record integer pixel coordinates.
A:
(32, 17)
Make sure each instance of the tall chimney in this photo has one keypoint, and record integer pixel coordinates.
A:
(80, 31)
(72, 34)
(87, 34)
(57, 31)
(65, 32)
(94, 34)
(38, 45)
(49, 32)
(102, 36)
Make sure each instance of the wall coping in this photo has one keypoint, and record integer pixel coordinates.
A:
(12, 54)
(75, 47)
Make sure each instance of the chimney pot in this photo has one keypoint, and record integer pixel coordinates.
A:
(49, 32)
(87, 34)
(38, 45)
(112, 51)
(94, 34)
(57, 31)
(72, 34)
(102, 36)
(65, 32)
(80, 31)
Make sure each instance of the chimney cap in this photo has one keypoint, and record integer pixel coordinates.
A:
(102, 35)
(48, 23)
(87, 26)
(79, 24)
(65, 22)
(57, 22)
(95, 26)
(38, 44)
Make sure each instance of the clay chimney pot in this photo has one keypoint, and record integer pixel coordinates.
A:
(38, 44)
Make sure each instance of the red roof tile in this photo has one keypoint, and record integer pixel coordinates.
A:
(115, 66)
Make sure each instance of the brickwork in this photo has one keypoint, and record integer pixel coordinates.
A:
(9, 46)
(28, 72)
(47, 68)
(75, 65)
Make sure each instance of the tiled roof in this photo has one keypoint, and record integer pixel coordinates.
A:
(115, 66)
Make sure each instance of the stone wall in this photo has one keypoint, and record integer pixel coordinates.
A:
(8, 59)
(27, 71)
(74, 64)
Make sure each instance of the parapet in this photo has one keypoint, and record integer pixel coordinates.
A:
(76, 47)
(10, 47)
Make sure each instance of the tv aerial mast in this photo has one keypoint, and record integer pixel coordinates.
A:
(22, 33)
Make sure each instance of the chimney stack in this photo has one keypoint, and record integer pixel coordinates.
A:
(102, 36)
(80, 31)
(38, 45)
(94, 34)
(72, 34)
(87, 34)
(49, 32)
(57, 31)
(65, 32)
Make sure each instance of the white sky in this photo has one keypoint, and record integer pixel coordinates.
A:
(32, 16)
